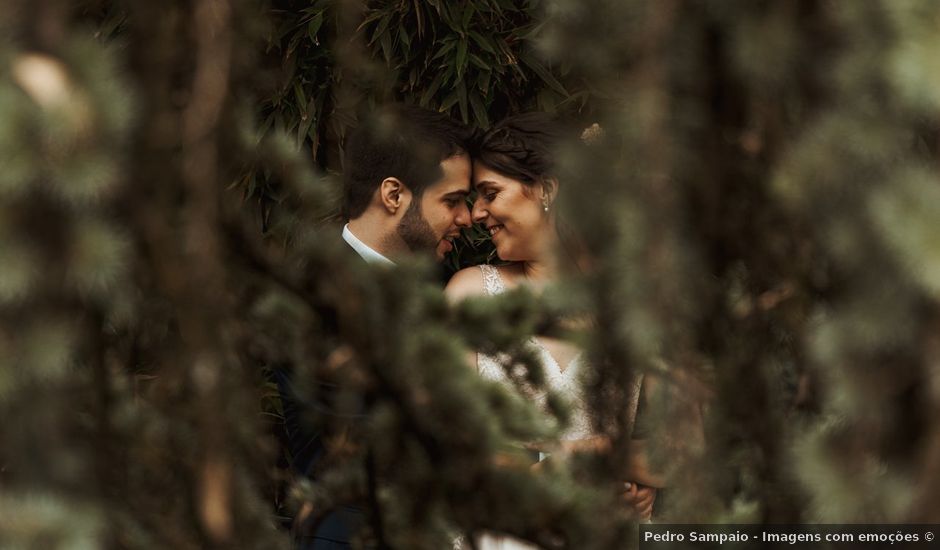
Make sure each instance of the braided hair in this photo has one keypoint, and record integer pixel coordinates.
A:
(521, 147)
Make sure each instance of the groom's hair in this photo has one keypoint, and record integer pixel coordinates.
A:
(400, 141)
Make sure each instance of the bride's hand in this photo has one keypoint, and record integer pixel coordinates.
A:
(640, 498)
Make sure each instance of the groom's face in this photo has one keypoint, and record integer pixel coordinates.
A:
(435, 218)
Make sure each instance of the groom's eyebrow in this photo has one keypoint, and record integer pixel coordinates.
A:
(459, 194)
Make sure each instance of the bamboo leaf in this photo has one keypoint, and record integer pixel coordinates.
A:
(380, 29)
(483, 81)
(447, 16)
(419, 16)
(479, 110)
(530, 32)
(404, 37)
(314, 27)
(300, 97)
(497, 7)
(461, 59)
(448, 46)
(478, 62)
(265, 126)
(370, 18)
(252, 184)
(507, 51)
(294, 42)
(467, 16)
(448, 73)
(112, 24)
(449, 101)
(314, 136)
(432, 89)
(543, 74)
(482, 42)
(386, 42)
(580, 98)
(303, 129)
(462, 101)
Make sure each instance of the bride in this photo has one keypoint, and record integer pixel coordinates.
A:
(516, 191)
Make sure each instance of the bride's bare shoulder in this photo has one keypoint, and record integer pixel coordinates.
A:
(469, 281)
(465, 283)
(511, 274)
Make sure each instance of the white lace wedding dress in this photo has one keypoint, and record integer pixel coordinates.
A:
(562, 380)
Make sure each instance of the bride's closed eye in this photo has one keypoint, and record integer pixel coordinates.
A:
(486, 193)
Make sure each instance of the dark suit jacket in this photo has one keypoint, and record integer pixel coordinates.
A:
(307, 449)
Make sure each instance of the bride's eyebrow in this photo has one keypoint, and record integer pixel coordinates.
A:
(481, 184)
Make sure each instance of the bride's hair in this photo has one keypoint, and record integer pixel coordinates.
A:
(523, 147)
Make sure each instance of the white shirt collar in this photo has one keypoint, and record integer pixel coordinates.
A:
(361, 248)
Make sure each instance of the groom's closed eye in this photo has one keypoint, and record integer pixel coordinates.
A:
(453, 199)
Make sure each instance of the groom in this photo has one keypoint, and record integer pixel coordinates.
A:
(405, 183)
(406, 180)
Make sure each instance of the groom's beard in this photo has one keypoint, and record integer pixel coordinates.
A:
(415, 231)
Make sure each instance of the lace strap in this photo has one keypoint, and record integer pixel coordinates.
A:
(492, 280)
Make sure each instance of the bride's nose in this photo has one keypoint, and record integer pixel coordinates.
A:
(478, 213)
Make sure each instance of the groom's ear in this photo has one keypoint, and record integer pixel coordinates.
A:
(392, 194)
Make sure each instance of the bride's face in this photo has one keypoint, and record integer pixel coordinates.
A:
(512, 213)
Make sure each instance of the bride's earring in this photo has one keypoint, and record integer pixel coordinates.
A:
(545, 205)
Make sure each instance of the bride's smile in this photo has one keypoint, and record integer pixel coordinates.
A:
(513, 214)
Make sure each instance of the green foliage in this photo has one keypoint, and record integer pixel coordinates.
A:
(469, 59)
(760, 220)
(475, 60)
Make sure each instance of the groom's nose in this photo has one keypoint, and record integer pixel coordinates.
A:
(463, 216)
